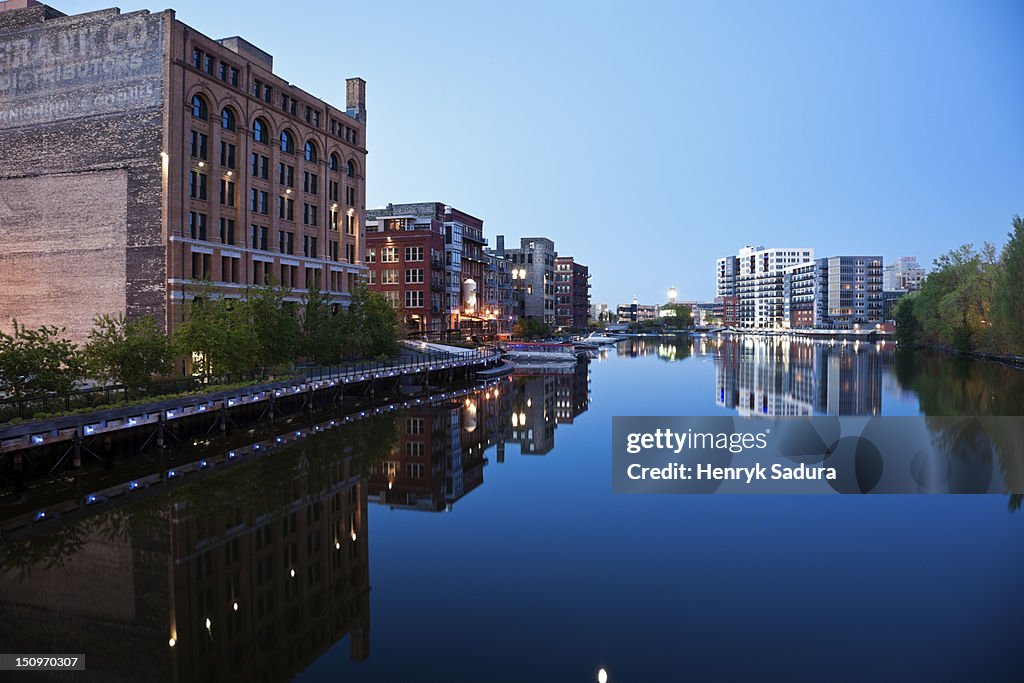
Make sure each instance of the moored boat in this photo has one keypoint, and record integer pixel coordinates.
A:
(539, 351)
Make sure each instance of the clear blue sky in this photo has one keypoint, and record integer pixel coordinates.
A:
(648, 138)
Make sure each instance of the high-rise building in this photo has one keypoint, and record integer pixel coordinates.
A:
(839, 293)
(904, 275)
(755, 277)
(143, 159)
(572, 293)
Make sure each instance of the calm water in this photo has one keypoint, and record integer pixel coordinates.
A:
(477, 540)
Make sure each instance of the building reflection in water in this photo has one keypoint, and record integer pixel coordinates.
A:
(440, 457)
(249, 575)
(782, 376)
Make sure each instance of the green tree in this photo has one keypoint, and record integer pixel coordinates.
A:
(529, 328)
(682, 317)
(212, 337)
(36, 361)
(1009, 289)
(908, 326)
(271, 328)
(954, 303)
(128, 353)
(321, 330)
(370, 327)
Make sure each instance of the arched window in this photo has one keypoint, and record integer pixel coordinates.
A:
(287, 142)
(227, 119)
(351, 170)
(310, 151)
(259, 131)
(199, 109)
(335, 163)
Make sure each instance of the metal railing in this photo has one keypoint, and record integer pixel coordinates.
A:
(118, 395)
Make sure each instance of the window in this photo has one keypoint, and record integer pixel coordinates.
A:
(260, 166)
(233, 76)
(287, 142)
(413, 276)
(259, 199)
(332, 248)
(197, 145)
(208, 64)
(350, 253)
(309, 246)
(197, 185)
(350, 224)
(259, 237)
(197, 57)
(371, 255)
(227, 154)
(199, 108)
(257, 88)
(310, 152)
(227, 119)
(267, 94)
(197, 225)
(350, 196)
(414, 299)
(392, 297)
(286, 174)
(286, 208)
(286, 242)
(200, 266)
(389, 276)
(414, 425)
(414, 254)
(414, 449)
(260, 132)
(350, 170)
(372, 277)
(332, 219)
(335, 163)
(309, 214)
(389, 255)
(309, 182)
(332, 190)
(227, 231)
(227, 193)
(223, 73)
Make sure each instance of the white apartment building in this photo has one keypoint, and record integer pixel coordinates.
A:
(755, 277)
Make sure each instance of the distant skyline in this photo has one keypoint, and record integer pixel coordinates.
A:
(650, 138)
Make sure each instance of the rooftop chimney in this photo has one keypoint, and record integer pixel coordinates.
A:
(355, 98)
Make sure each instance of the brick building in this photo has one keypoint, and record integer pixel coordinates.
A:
(451, 244)
(572, 293)
(174, 158)
(405, 257)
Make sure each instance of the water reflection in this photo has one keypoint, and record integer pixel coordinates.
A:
(439, 454)
(783, 377)
(249, 575)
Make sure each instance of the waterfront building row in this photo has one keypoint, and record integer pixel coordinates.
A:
(432, 262)
(787, 288)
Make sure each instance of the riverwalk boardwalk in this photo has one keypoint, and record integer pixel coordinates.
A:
(329, 384)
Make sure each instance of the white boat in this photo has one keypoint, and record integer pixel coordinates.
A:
(539, 351)
(595, 338)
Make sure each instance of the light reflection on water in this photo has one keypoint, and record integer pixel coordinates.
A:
(478, 540)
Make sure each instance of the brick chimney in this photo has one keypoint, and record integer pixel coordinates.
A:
(355, 98)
